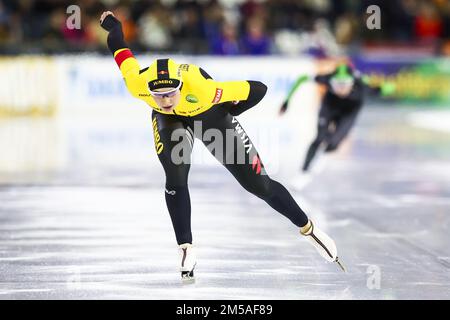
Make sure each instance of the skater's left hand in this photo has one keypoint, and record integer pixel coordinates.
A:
(283, 108)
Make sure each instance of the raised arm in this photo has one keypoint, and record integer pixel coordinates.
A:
(295, 86)
(127, 63)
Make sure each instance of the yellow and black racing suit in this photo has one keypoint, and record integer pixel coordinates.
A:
(206, 111)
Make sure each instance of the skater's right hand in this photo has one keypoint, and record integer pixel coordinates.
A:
(108, 21)
(283, 108)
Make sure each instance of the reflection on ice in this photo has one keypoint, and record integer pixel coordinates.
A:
(77, 223)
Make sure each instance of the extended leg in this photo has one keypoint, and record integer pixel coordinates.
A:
(251, 174)
(322, 132)
(243, 162)
(343, 127)
(173, 143)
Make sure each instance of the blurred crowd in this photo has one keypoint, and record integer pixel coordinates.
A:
(225, 27)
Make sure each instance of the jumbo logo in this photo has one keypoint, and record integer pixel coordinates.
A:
(218, 95)
(159, 146)
(157, 82)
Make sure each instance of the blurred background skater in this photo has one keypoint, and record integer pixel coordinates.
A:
(341, 103)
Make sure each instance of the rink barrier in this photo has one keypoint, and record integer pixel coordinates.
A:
(94, 83)
(85, 84)
(28, 86)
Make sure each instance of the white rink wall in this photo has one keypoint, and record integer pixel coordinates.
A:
(97, 123)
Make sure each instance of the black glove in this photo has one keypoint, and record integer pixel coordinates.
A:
(284, 107)
(115, 37)
(110, 22)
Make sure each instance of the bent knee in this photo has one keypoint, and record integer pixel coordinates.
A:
(177, 175)
(261, 188)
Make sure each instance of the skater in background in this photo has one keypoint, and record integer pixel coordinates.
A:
(344, 96)
(181, 94)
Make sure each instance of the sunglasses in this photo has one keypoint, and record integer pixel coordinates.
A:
(168, 93)
(341, 83)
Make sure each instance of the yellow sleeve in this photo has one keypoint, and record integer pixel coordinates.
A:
(129, 67)
(231, 91)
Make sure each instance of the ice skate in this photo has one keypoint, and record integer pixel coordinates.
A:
(188, 261)
(322, 242)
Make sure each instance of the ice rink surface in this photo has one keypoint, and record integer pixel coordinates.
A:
(384, 198)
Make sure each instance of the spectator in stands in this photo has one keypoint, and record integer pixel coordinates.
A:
(155, 29)
(213, 14)
(255, 40)
(428, 25)
(227, 43)
(198, 26)
(189, 32)
(5, 21)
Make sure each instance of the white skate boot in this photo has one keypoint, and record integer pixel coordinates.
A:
(188, 261)
(322, 242)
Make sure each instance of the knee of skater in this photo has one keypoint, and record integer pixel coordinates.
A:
(173, 189)
(331, 147)
(177, 176)
(261, 190)
(175, 183)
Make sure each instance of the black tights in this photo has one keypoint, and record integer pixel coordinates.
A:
(174, 136)
(342, 121)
